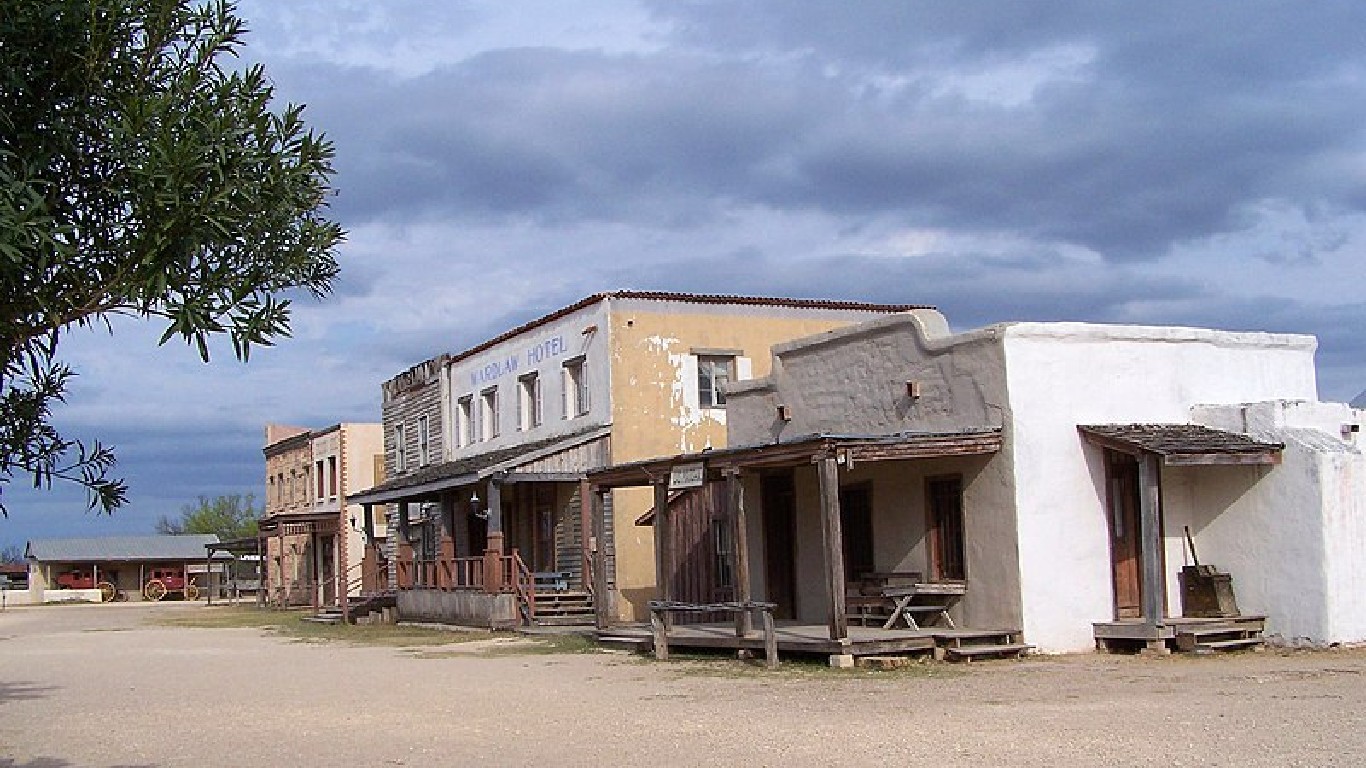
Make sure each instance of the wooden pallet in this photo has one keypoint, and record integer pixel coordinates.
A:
(1214, 638)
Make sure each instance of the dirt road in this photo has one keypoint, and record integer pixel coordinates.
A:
(103, 686)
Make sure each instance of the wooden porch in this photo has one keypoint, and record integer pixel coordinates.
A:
(1185, 634)
(814, 639)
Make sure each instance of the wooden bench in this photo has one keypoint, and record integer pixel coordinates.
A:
(659, 623)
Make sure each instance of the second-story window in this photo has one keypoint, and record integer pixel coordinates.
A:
(488, 412)
(332, 476)
(400, 449)
(529, 402)
(464, 420)
(714, 374)
(575, 388)
(423, 441)
(320, 481)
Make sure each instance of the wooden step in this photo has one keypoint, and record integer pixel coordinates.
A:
(572, 620)
(1230, 645)
(970, 652)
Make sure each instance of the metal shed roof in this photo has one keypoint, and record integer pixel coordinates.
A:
(122, 548)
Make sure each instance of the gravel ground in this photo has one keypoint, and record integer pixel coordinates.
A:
(103, 686)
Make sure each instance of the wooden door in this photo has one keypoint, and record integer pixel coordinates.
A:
(946, 537)
(778, 499)
(1122, 504)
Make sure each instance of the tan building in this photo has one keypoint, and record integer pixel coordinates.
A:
(487, 450)
(309, 527)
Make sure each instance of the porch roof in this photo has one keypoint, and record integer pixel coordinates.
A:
(432, 480)
(1183, 444)
(851, 449)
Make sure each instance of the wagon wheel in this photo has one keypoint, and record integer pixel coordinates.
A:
(191, 591)
(107, 591)
(155, 590)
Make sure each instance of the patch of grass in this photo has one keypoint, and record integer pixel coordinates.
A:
(541, 645)
(291, 624)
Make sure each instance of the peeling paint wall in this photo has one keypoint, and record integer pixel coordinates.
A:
(655, 406)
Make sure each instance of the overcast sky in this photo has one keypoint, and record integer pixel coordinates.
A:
(1162, 162)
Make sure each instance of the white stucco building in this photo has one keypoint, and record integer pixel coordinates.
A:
(1051, 470)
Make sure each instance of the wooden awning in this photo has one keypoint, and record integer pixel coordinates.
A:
(849, 449)
(1183, 444)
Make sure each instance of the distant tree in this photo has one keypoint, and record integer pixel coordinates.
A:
(231, 517)
(12, 554)
(142, 174)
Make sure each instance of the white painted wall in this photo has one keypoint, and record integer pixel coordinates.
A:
(542, 349)
(1294, 542)
(1060, 375)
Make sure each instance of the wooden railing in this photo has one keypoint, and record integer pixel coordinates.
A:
(524, 583)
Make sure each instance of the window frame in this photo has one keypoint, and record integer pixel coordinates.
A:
(577, 395)
(464, 420)
(400, 448)
(424, 440)
(530, 406)
(488, 413)
(713, 397)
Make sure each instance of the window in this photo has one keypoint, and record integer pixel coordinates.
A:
(529, 402)
(332, 476)
(488, 413)
(423, 440)
(320, 488)
(400, 449)
(464, 420)
(575, 388)
(723, 550)
(714, 373)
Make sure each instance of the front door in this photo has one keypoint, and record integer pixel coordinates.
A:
(947, 540)
(779, 502)
(1122, 503)
(856, 528)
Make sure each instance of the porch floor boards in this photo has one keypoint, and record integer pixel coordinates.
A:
(802, 638)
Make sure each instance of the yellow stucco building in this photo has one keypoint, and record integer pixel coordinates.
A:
(486, 450)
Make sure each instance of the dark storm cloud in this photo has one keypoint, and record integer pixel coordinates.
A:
(1177, 120)
(973, 291)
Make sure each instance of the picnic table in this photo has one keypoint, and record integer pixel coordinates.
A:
(923, 597)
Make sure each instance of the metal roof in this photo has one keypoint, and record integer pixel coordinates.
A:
(121, 548)
(430, 481)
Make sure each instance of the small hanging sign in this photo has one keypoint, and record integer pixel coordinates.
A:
(686, 476)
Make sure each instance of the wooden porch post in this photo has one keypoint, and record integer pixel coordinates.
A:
(744, 620)
(832, 541)
(1150, 531)
(585, 534)
(493, 565)
(664, 548)
(601, 604)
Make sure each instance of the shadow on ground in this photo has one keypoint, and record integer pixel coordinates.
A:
(23, 692)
